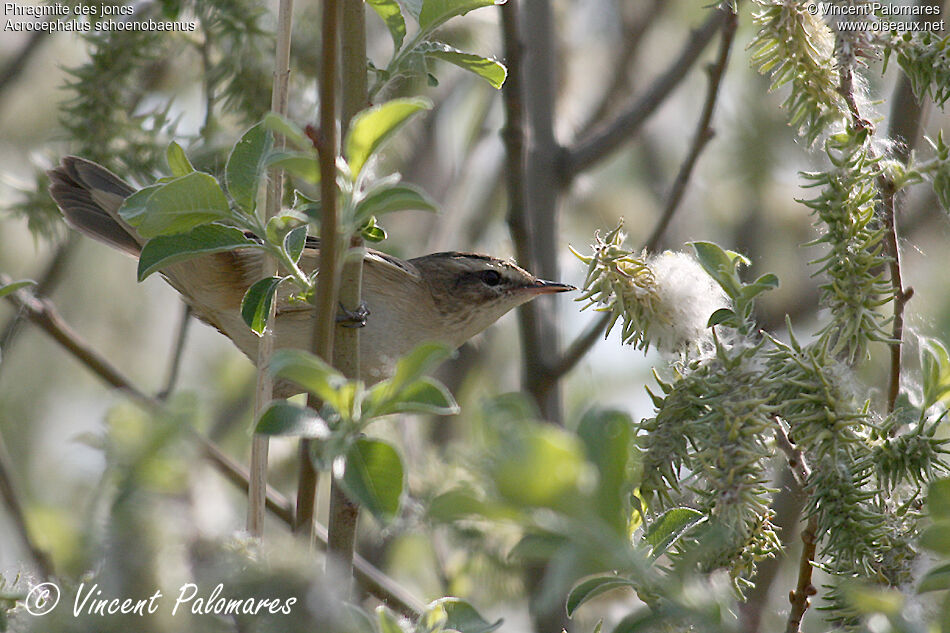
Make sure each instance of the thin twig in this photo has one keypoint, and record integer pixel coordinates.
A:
(174, 364)
(325, 140)
(888, 194)
(608, 137)
(44, 314)
(45, 284)
(260, 445)
(344, 512)
(632, 38)
(804, 589)
(704, 133)
(10, 493)
(20, 61)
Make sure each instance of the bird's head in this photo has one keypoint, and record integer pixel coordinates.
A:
(471, 291)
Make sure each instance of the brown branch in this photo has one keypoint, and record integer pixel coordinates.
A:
(174, 363)
(344, 513)
(21, 60)
(704, 133)
(325, 299)
(608, 137)
(804, 589)
(11, 497)
(44, 314)
(632, 38)
(889, 212)
(48, 280)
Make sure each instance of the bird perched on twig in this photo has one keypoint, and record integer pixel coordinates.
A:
(447, 297)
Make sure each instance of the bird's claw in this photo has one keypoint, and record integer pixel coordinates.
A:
(353, 318)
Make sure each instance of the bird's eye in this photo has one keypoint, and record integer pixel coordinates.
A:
(490, 277)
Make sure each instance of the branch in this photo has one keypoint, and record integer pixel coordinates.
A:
(704, 133)
(174, 364)
(804, 589)
(344, 513)
(11, 497)
(633, 37)
(44, 314)
(608, 137)
(889, 211)
(20, 61)
(45, 284)
(260, 444)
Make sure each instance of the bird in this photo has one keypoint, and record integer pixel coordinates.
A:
(446, 297)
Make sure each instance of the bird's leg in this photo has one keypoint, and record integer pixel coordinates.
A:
(353, 318)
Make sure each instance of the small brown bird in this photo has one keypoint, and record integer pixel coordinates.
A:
(447, 297)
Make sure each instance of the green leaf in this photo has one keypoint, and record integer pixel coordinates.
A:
(542, 468)
(177, 206)
(402, 197)
(669, 528)
(937, 579)
(255, 307)
(295, 241)
(13, 286)
(723, 316)
(311, 373)
(177, 160)
(938, 499)
(389, 11)
(937, 537)
(281, 125)
(436, 12)
(373, 476)
(607, 439)
(246, 166)
(303, 165)
(279, 226)
(164, 250)
(767, 281)
(462, 617)
(592, 587)
(492, 71)
(285, 419)
(373, 233)
(719, 265)
(460, 503)
(374, 126)
(425, 395)
(388, 621)
(935, 366)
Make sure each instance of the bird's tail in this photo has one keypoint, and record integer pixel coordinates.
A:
(89, 196)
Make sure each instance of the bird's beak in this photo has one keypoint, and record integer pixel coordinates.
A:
(541, 287)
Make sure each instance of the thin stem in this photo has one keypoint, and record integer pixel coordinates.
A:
(174, 363)
(704, 133)
(804, 589)
(344, 513)
(44, 315)
(888, 195)
(280, 95)
(48, 280)
(325, 300)
(11, 497)
(608, 137)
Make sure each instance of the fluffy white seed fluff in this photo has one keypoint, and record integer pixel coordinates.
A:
(684, 298)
